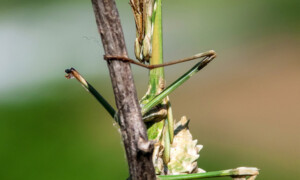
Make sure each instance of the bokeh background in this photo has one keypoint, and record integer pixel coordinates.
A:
(244, 107)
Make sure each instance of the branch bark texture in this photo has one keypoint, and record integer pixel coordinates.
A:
(137, 147)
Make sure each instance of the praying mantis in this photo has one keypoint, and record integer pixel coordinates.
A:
(155, 104)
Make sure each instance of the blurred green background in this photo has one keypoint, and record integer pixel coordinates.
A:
(244, 107)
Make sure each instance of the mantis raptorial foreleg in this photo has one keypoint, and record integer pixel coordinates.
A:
(143, 11)
(156, 114)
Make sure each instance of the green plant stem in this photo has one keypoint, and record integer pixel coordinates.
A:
(223, 173)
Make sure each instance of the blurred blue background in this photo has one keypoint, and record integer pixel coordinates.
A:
(244, 106)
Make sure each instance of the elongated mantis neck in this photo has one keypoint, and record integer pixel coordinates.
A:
(156, 80)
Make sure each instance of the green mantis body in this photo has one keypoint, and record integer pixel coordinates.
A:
(156, 106)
